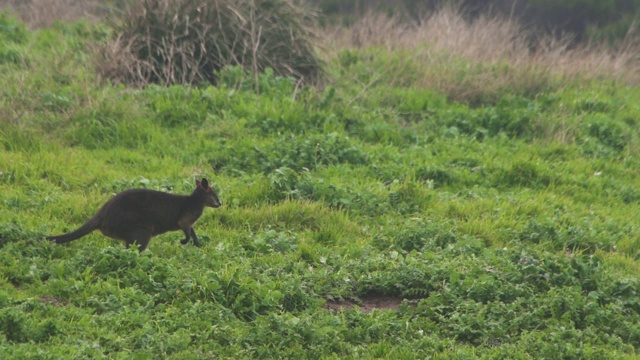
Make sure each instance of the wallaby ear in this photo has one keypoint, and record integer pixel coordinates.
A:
(197, 182)
(204, 183)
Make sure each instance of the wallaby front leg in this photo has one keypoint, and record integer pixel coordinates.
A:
(196, 242)
(189, 234)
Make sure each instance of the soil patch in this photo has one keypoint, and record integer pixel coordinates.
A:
(51, 300)
(382, 302)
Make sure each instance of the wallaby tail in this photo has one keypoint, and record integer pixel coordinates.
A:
(88, 227)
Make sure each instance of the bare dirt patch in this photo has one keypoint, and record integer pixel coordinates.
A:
(51, 300)
(379, 302)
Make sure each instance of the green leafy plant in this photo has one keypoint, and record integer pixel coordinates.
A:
(374, 218)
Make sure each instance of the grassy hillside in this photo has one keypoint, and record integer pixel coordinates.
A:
(505, 219)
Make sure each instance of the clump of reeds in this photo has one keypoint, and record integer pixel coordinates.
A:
(189, 41)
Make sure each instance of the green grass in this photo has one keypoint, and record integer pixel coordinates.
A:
(510, 226)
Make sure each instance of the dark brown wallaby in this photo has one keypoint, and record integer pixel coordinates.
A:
(136, 215)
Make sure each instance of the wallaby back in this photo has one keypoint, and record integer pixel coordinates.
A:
(136, 215)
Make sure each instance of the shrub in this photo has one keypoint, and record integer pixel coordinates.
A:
(177, 105)
(189, 41)
(11, 30)
(271, 241)
(438, 176)
(317, 150)
(12, 35)
(409, 196)
(423, 237)
(608, 132)
(523, 174)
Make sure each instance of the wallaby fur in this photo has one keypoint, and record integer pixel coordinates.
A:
(136, 215)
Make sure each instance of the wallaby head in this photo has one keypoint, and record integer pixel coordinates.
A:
(210, 195)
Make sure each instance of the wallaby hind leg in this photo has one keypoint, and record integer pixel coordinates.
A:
(143, 243)
(188, 234)
(140, 237)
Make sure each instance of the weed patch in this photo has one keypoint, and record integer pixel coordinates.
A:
(504, 215)
(525, 174)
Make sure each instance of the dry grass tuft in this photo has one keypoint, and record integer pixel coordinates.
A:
(476, 61)
(43, 13)
(189, 41)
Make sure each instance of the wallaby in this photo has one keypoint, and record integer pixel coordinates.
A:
(136, 215)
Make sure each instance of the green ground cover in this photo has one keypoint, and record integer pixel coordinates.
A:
(509, 224)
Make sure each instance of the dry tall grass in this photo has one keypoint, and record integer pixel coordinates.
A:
(471, 61)
(188, 41)
(474, 61)
(43, 13)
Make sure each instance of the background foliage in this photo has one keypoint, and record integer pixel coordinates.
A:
(585, 19)
(500, 217)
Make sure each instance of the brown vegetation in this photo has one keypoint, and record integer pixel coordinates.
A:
(43, 13)
(471, 60)
(188, 41)
(369, 303)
